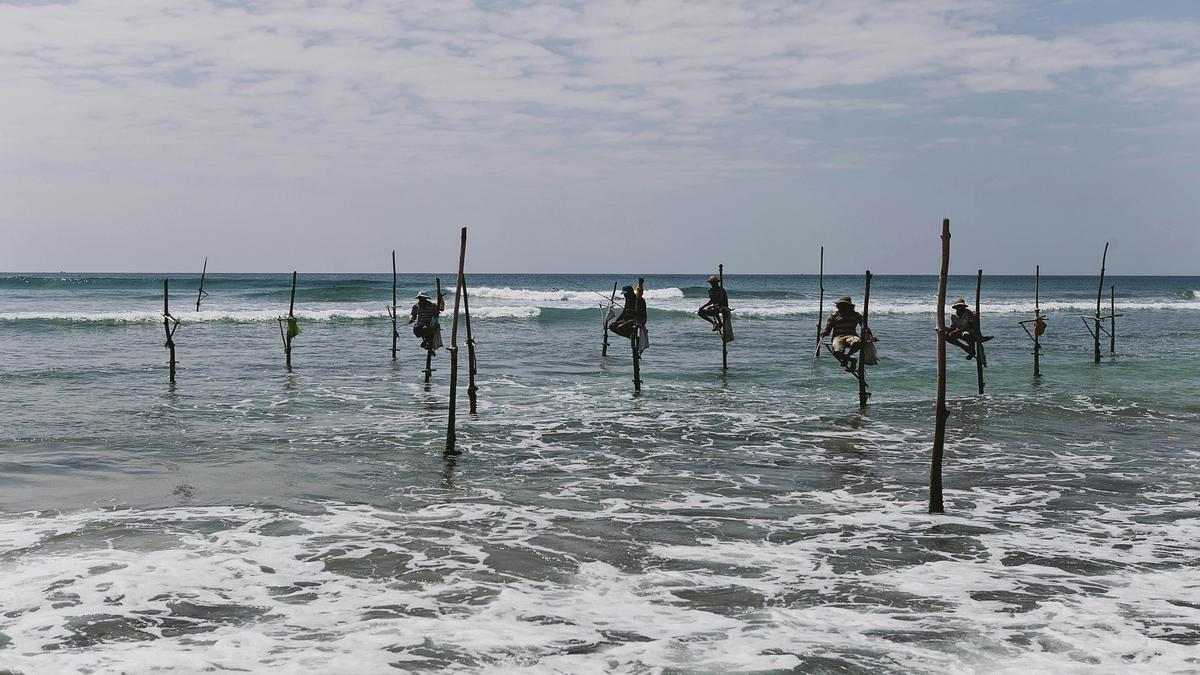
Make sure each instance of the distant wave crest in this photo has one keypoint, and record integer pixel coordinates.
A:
(568, 296)
(247, 316)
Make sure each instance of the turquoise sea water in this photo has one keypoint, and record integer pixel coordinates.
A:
(750, 521)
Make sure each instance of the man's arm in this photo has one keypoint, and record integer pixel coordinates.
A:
(441, 303)
(828, 326)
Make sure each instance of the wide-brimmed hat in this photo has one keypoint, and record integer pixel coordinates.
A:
(845, 300)
(423, 296)
(627, 289)
(959, 303)
(714, 280)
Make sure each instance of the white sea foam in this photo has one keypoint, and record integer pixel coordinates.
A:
(509, 303)
(786, 308)
(355, 588)
(566, 296)
(250, 315)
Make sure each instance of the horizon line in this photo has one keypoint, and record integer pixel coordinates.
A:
(616, 274)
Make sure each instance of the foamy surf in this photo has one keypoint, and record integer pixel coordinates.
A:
(358, 589)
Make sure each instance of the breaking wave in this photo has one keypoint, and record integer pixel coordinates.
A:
(248, 315)
(572, 296)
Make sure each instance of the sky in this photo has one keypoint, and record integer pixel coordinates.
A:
(641, 137)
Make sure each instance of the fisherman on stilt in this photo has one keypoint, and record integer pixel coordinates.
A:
(843, 325)
(632, 316)
(424, 317)
(714, 310)
(964, 329)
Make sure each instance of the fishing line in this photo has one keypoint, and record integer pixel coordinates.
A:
(603, 296)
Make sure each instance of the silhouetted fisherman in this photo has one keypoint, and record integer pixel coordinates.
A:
(714, 310)
(425, 315)
(632, 317)
(964, 329)
(843, 325)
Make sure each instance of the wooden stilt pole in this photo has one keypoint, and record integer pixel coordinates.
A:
(1112, 324)
(724, 343)
(1038, 321)
(450, 432)
(471, 388)
(820, 304)
(392, 311)
(637, 356)
(863, 394)
(1037, 317)
(1099, 296)
(637, 367)
(980, 357)
(607, 315)
(200, 295)
(170, 323)
(291, 317)
(940, 414)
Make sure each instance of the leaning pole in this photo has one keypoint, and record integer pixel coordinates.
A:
(450, 432)
(940, 412)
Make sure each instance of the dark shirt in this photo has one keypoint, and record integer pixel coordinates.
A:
(843, 323)
(964, 321)
(635, 309)
(423, 312)
(717, 297)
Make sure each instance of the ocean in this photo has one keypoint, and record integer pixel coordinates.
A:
(252, 519)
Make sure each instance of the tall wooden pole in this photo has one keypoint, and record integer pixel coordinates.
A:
(863, 394)
(1037, 317)
(168, 328)
(450, 438)
(637, 356)
(395, 332)
(471, 388)
(820, 304)
(724, 344)
(980, 359)
(200, 293)
(1112, 324)
(1099, 296)
(287, 342)
(608, 313)
(940, 414)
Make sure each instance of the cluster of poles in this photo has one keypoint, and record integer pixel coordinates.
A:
(289, 329)
(1094, 323)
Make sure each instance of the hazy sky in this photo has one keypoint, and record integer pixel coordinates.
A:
(654, 136)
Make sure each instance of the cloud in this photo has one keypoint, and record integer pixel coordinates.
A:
(671, 89)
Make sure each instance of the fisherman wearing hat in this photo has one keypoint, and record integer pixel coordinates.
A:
(632, 315)
(425, 315)
(964, 328)
(843, 325)
(718, 303)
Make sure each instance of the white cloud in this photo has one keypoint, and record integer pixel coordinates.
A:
(452, 88)
(280, 87)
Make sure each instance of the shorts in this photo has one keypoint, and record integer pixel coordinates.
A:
(843, 342)
(623, 328)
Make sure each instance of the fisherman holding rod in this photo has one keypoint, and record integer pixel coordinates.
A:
(964, 329)
(843, 325)
(714, 310)
(424, 316)
(632, 316)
